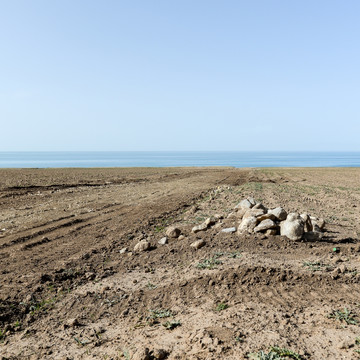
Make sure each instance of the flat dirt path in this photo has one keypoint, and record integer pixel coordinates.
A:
(71, 286)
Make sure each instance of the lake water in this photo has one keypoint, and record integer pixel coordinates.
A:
(178, 158)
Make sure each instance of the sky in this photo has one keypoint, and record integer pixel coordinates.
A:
(230, 75)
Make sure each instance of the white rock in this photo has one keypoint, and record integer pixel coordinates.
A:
(252, 201)
(229, 230)
(142, 245)
(279, 212)
(123, 250)
(181, 237)
(163, 241)
(292, 227)
(198, 244)
(265, 225)
(247, 224)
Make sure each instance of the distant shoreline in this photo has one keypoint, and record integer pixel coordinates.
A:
(160, 159)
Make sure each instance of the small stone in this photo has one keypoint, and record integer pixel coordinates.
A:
(209, 222)
(123, 250)
(279, 212)
(201, 227)
(142, 245)
(198, 244)
(181, 237)
(173, 232)
(160, 354)
(163, 241)
(229, 230)
(73, 322)
(143, 354)
(271, 232)
(346, 344)
(342, 269)
(218, 216)
(265, 225)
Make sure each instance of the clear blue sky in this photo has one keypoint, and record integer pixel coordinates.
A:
(179, 75)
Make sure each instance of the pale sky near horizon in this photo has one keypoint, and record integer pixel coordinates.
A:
(179, 75)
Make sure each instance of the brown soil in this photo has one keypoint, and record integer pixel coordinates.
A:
(66, 291)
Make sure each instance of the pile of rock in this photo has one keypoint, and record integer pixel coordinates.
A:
(256, 218)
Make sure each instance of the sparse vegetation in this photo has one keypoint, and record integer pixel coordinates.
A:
(275, 353)
(210, 263)
(317, 266)
(151, 286)
(170, 325)
(2, 335)
(221, 306)
(160, 313)
(344, 316)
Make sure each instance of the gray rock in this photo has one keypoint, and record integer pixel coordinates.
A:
(244, 204)
(201, 227)
(247, 224)
(198, 244)
(163, 241)
(292, 227)
(239, 213)
(279, 213)
(173, 232)
(260, 206)
(265, 225)
(307, 222)
(229, 230)
(318, 224)
(142, 245)
(253, 213)
(267, 216)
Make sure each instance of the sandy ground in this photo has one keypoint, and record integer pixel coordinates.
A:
(68, 292)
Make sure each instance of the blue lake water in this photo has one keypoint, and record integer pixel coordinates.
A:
(177, 158)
